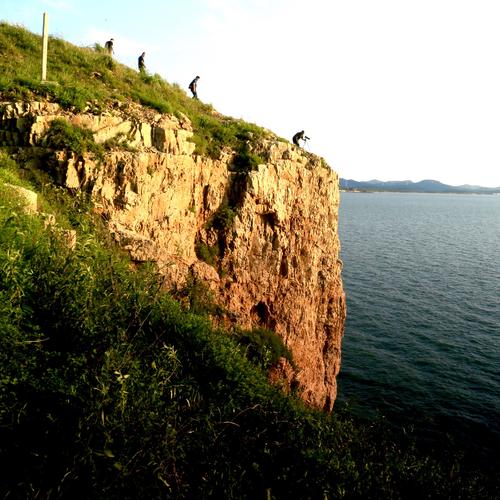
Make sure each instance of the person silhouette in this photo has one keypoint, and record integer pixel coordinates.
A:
(192, 87)
(140, 63)
(108, 46)
(299, 136)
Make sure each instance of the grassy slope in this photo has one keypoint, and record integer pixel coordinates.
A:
(109, 388)
(88, 79)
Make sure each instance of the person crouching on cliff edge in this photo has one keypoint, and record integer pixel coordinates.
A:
(299, 136)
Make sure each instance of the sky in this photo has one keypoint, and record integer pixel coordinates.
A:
(385, 89)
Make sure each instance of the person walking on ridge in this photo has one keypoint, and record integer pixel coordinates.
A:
(108, 46)
(192, 87)
(299, 136)
(140, 63)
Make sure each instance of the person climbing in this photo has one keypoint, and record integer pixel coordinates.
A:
(192, 87)
(140, 62)
(299, 136)
(108, 46)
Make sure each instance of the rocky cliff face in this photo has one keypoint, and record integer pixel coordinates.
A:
(273, 261)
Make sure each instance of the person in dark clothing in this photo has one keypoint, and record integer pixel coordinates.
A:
(140, 62)
(109, 46)
(299, 136)
(192, 87)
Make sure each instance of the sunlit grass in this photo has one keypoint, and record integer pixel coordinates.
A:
(85, 76)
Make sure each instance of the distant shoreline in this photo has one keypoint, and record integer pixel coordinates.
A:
(406, 186)
(401, 191)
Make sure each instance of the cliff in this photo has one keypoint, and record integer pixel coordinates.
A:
(264, 241)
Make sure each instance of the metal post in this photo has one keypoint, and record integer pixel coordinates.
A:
(45, 43)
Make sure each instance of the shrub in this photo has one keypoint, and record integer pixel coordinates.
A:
(153, 102)
(223, 217)
(206, 253)
(264, 346)
(62, 135)
(74, 97)
(245, 160)
(198, 298)
(119, 141)
(210, 136)
(9, 171)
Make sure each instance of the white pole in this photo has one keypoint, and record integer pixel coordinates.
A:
(45, 43)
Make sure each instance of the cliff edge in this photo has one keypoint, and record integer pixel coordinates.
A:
(264, 240)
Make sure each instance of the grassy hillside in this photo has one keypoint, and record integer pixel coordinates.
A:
(88, 79)
(111, 388)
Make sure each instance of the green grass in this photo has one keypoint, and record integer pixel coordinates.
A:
(207, 253)
(264, 347)
(223, 217)
(111, 389)
(9, 172)
(88, 79)
(62, 135)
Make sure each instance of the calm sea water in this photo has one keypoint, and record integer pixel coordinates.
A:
(422, 337)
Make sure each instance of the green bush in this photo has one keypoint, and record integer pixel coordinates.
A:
(9, 172)
(198, 298)
(245, 160)
(264, 346)
(153, 102)
(206, 253)
(223, 217)
(75, 97)
(210, 136)
(62, 135)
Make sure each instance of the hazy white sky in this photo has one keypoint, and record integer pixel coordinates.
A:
(386, 89)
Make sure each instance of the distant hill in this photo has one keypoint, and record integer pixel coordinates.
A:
(425, 186)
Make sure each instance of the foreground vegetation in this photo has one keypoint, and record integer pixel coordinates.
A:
(110, 388)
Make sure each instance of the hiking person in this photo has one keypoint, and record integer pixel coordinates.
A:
(108, 46)
(299, 136)
(192, 87)
(140, 63)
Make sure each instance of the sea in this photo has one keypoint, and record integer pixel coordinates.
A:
(421, 349)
